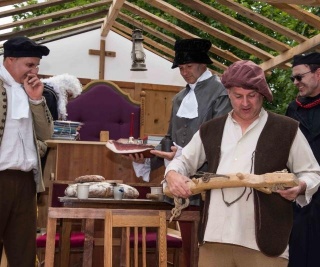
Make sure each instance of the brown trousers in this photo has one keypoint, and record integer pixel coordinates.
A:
(18, 217)
(228, 255)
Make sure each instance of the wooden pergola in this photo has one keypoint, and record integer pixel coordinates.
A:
(120, 16)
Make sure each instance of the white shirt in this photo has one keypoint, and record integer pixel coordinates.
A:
(235, 224)
(17, 150)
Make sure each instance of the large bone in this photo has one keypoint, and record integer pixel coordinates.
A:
(266, 183)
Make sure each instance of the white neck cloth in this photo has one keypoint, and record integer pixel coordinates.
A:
(20, 104)
(189, 105)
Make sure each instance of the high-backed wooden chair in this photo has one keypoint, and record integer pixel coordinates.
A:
(135, 221)
(103, 106)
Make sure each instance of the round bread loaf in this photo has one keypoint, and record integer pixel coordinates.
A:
(89, 178)
(103, 190)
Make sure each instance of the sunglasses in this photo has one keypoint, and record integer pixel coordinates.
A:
(298, 77)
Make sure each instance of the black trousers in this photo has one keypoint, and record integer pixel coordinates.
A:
(304, 244)
(18, 217)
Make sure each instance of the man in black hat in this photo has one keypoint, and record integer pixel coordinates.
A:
(24, 118)
(203, 98)
(305, 236)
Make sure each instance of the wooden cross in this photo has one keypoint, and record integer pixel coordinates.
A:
(102, 54)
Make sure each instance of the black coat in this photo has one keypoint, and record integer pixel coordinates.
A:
(52, 101)
(304, 249)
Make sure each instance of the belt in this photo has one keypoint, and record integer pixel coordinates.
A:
(10, 172)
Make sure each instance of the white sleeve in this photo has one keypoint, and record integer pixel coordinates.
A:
(191, 159)
(305, 166)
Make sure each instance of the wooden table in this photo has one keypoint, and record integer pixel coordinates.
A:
(186, 215)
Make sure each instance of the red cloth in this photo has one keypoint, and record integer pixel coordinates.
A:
(76, 240)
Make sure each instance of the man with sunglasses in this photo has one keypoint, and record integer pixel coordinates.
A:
(305, 235)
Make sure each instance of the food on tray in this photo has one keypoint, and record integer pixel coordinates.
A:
(129, 148)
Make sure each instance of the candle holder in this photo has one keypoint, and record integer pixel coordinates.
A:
(131, 138)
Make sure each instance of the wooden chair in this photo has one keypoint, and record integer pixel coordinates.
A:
(77, 237)
(135, 220)
(174, 240)
(55, 213)
(104, 106)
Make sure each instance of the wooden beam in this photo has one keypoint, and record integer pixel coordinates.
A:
(147, 47)
(295, 2)
(34, 30)
(58, 14)
(236, 25)
(111, 17)
(300, 14)
(254, 16)
(163, 37)
(9, 2)
(232, 40)
(65, 32)
(147, 40)
(182, 33)
(29, 8)
(307, 46)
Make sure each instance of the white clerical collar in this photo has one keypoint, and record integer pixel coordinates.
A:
(189, 105)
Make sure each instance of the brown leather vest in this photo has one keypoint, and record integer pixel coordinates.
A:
(273, 214)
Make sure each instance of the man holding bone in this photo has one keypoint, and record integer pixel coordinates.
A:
(242, 226)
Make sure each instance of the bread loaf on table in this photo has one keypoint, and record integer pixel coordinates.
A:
(103, 190)
(89, 178)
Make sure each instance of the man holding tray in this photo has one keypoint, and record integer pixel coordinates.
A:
(243, 226)
(203, 98)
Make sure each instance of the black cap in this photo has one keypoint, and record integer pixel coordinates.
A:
(21, 46)
(191, 51)
(311, 58)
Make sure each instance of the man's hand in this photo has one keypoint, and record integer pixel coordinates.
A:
(165, 155)
(33, 86)
(137, 158)
(293, 192)
(178, 184)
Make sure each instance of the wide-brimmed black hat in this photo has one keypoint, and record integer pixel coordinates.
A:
(191, 51)
(311, 58)
(21, 46)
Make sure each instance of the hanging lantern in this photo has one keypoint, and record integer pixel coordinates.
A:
(137, 54)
